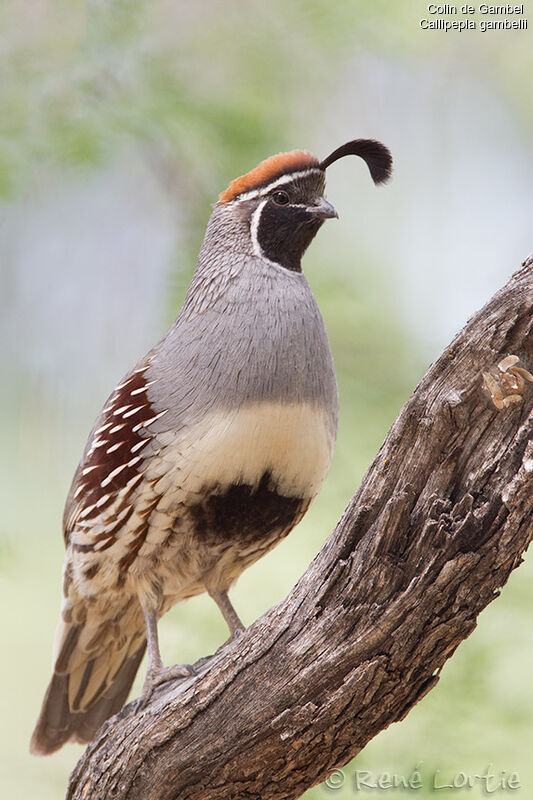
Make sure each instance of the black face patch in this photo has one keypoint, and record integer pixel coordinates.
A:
(285, 231)
(245, 514)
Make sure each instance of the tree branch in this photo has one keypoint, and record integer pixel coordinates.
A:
(442, 517)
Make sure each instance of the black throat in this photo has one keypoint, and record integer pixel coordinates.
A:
(285, 232)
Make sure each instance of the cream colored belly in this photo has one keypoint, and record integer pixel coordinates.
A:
(292, 442)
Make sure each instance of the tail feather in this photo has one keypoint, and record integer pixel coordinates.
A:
(86, 687)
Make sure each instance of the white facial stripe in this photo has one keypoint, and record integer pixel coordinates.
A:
(274, 185)
(254, 225)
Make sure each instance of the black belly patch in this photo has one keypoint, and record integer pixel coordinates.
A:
(245, 513)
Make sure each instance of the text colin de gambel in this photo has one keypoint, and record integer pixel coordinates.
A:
(514, 17)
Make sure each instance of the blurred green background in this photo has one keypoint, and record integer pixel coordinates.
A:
(120, 123)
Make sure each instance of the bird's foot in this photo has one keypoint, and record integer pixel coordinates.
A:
(238, 632)
(155, 678)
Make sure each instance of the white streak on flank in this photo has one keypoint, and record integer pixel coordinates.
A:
(134, 411)
(134, 461)
(102, 543)
(130, 484)
(148, 421)
(143, 388)
(87, 524)
(112, 475)
(103, 500)
(122, 514)
(122, 385)
(141, 369)
(79, 490)
(121, 409)
(117, 428)
(103, 428)
(132, 481)
(87, 470)
(157, 416)
(87, 510)
(287, 178)
(139, 445)
(114, 447)
(96, 443)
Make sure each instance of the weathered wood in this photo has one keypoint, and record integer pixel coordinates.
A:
(442, 517)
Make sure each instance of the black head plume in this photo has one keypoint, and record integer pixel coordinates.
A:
(377, 156)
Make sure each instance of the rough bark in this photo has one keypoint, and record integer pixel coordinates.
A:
(442, 517)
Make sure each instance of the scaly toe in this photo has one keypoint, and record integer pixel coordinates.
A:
(172, 673)
(155, 679)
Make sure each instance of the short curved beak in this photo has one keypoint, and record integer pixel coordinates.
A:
(322, 209)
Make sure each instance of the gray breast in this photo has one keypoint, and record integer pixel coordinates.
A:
(249, 332)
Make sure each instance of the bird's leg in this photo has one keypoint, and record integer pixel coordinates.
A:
(157, 673)
(222, 600)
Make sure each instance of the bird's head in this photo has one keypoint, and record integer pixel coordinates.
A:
(281, 202)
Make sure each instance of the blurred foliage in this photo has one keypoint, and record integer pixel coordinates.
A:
(205, 88)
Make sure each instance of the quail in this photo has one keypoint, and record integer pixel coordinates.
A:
(208, 452)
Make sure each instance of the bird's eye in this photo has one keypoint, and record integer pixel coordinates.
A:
(281, 198)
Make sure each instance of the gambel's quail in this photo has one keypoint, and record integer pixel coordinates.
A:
(208, 452)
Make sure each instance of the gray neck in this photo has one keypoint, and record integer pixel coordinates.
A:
(248, 331)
